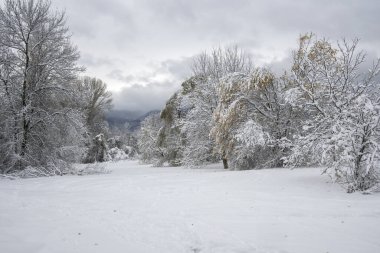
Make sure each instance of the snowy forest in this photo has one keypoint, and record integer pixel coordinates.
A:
(323, 111)
(243, 157)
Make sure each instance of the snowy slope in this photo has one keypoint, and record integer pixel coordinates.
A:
(137, 208)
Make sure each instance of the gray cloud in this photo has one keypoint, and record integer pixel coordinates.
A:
(150, 90)
(91, 60)
(144, 98)
(179, 67)
(119, 75)
(141, 46)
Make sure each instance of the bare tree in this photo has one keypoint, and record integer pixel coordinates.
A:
(221, 61)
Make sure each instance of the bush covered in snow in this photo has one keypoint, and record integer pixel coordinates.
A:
(91, 169)
(98, 150)
(117, 154)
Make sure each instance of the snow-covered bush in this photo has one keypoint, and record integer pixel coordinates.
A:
(130, 151)
(98, 150)
(118, 150)
(251, 144)
(71, 154)
(117, 154)
(53, 168)
(91, 169)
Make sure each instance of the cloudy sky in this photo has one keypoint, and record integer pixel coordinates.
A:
(142, 48)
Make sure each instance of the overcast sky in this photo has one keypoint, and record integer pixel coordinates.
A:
(142, 49)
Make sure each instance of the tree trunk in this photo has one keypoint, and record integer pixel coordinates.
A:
(225, 163)
(25, 121)
(358, 173)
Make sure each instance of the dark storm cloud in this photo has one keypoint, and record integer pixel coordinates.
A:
(144, 46)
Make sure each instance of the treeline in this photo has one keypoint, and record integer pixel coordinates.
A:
(49, 116)
(323, 111)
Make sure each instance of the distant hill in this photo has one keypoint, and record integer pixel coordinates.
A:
(133, 119)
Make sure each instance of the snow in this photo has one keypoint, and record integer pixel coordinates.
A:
(138, 208)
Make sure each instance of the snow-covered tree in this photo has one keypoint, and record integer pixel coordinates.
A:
(252, 122)
(170, 140)
(95, 100)
(341, 127)
(201, 99)
(199, 102)
(147, 139)
(37, 70)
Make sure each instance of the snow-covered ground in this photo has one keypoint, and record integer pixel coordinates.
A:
(138, 208)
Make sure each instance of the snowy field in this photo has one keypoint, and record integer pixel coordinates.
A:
(138, 208)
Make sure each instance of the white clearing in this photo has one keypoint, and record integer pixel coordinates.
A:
(138, 208)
